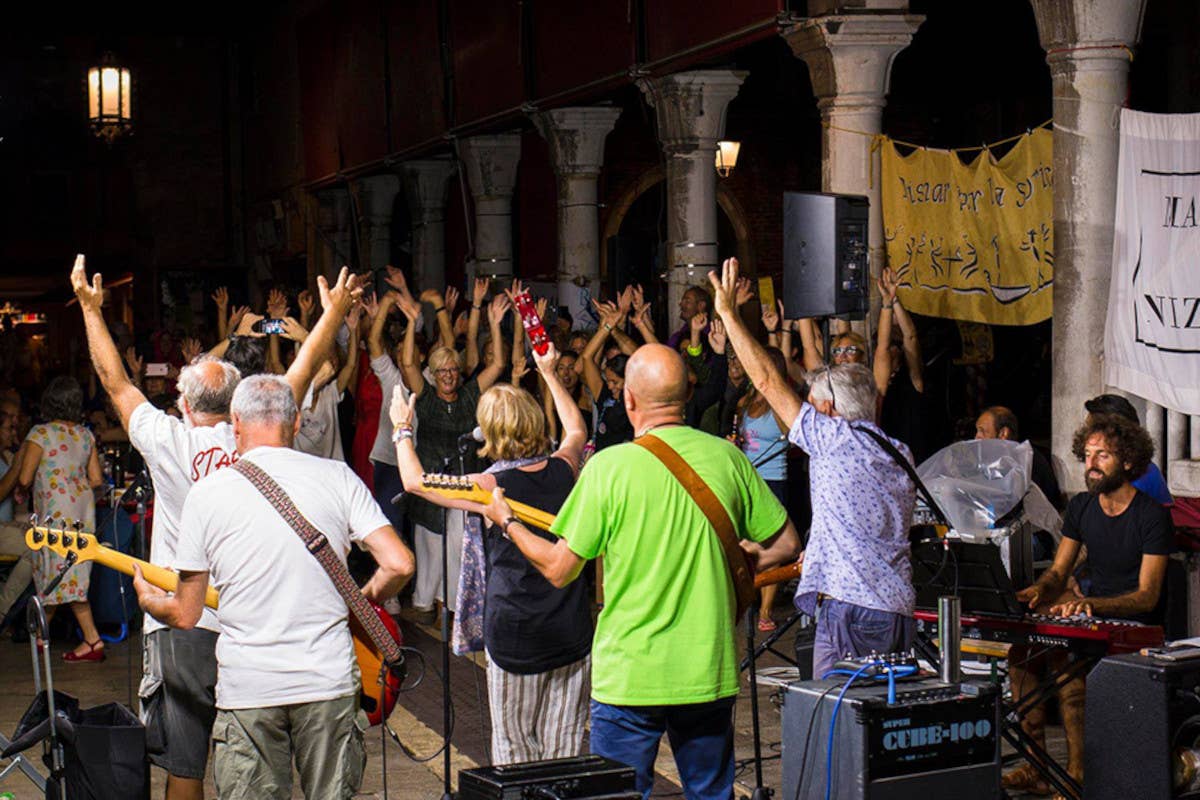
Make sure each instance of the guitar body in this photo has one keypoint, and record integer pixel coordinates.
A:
(380, 687)
(379, 691)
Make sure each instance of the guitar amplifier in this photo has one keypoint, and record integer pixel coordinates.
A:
(588, 777)
(937, 740)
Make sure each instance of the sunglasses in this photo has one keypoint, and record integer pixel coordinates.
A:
(848, 350)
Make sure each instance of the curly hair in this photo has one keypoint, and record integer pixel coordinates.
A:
(1127, 440)
(62, 399)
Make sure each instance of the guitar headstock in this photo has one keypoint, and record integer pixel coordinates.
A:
(456, 486)
(62, 541)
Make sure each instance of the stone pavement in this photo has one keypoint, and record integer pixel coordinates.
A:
(417, 720)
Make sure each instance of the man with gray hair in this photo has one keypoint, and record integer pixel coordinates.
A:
(857, 577)
(179, 667)
(287, 683)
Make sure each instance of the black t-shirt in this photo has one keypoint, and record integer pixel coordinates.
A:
(614, 426)
(1115, 545)
(528, 625)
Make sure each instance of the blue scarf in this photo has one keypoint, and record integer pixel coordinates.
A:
(467, 634)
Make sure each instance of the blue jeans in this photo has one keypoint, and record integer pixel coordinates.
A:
(846, 629)
(701, 736)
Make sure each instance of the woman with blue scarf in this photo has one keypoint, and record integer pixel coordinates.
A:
(537, 638)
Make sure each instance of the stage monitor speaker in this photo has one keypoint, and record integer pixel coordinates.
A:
(1141, 729)
(585, 777)
(937, 740)
(825, 255)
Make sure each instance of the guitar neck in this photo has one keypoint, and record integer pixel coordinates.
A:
(531, 516)
(164, 579)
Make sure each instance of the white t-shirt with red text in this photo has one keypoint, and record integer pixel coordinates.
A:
(177, 456)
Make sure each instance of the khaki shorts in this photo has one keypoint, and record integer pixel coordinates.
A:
(253, 750)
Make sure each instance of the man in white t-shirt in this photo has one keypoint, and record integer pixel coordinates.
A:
(179, 667)
(287, 682)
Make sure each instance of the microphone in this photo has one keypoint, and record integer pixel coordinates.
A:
(467, 439)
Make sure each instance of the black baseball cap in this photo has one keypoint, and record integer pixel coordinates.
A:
(1112, 404)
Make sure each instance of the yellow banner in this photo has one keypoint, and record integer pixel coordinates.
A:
(972, 241)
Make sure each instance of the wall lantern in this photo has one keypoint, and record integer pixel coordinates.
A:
(727, 156)
(109, 99)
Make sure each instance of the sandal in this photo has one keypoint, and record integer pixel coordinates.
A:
(93, 653)
(1026, 779)
(766, 625)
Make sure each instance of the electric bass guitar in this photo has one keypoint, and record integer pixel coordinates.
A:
(457, 487)
(378, 695)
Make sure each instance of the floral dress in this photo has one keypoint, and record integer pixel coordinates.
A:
(62, 492)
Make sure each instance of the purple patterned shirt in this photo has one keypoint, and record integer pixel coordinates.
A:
(862, 503)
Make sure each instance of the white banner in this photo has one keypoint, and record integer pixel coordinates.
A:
(1152, 339)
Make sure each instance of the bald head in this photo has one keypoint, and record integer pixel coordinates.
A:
(656, 376)
(207, 385)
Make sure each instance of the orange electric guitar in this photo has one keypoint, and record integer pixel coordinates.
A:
(378, 696)
(462, 488)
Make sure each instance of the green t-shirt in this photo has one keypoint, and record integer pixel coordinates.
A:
(666, 634)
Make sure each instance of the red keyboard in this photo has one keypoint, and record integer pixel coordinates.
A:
(1090, 635)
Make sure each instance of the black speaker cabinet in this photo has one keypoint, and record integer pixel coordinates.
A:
(1139, 711)
(936, 741)
(825, 257)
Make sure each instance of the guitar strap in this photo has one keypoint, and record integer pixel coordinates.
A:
(702, 494)
(318, 545)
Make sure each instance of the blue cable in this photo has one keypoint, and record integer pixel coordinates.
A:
(891, 671)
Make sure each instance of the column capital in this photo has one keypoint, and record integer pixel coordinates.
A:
(376, 195)
(849, 56)
(576, 137)
(425, 184)
(1073, 31)
(690, 107)
(491, 164)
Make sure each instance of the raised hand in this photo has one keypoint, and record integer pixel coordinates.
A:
(277, 304)
(306, 302)
(452, 295)
(725, 287)
(394, 277)
(698, 322)
(744, 293)
(221, 297)
(432, 296)
(610, 315)
(716, 336)
(370, 305)
(91, 295)
(547, 362)
(400, 412)
(479, 291)
(134, 362)
(516, 288)
(541, 305)
(519, 368)
(354, 315)
(294, 330)
(246, 325)
(409, 307)
(625, 300)
(235, 316)
(190, 348)
(887, 286)
(498, 308)
(342, 294)
(770, 318)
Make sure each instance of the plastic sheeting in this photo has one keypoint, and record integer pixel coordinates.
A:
(980, 481)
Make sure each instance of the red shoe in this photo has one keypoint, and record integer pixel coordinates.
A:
(94, 653)
(766, 625)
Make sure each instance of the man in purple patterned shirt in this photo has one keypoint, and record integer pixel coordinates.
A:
(857, 577)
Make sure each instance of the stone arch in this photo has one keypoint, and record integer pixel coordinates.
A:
(726, 201)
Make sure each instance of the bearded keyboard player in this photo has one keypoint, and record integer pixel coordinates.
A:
(1128, 538)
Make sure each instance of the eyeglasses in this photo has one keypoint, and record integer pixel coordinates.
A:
(848, 350)
(447, 371)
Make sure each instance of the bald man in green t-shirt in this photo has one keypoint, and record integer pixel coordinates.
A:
(664, 656)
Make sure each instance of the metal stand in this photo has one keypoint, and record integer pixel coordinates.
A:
(39, 629)
(767, 645)
(446, 708)
(760, 792)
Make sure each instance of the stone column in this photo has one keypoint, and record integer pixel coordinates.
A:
(425, 188)
(849, 58)
(1085, 43)
(690, 112)
(375, 198)
(491, 165)
(330, 253)
(576, 138)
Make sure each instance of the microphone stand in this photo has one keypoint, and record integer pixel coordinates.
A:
(446, 793)
(760, 792)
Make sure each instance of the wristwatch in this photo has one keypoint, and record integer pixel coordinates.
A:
(504, 527)
(401, 432)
